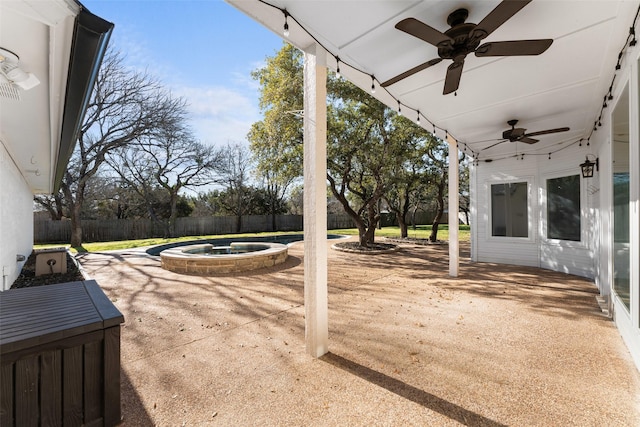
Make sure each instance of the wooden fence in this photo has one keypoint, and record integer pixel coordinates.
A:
(48, 231)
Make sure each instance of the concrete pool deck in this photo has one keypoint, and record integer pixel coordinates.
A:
(499, 345)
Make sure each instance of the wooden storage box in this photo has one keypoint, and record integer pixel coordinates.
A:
(59, 356)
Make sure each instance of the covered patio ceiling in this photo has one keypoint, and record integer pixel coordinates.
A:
(565, 86)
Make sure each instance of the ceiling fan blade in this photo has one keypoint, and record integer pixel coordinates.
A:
(514, 133)
(527, 140)
(514, 48)
(497, 17)
(424, 32)
(545, 132)
(452, 81)
(493, 145)
(411, 72)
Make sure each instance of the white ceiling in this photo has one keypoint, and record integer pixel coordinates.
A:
(40, 34)
(563, 87)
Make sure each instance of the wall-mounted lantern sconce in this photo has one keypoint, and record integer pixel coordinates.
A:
(588, 167)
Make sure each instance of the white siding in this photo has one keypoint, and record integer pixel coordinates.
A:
(16, 219)
(536, 250)
(506, 250)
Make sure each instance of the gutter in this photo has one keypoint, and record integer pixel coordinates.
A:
(89, 42)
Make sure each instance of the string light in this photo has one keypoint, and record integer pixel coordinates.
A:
(609, 96)
(286, 24)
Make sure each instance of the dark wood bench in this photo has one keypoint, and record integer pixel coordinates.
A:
(59, 356)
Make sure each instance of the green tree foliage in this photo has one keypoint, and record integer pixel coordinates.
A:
(371, 151)
(410, 173)
(276, 141)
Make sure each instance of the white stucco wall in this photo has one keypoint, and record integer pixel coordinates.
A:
(16, 219)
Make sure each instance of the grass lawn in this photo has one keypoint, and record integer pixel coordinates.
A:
(421, 232)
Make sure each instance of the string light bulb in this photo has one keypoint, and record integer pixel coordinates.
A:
(399, 108)
(373, 84)
(286, 24)
(338, 67)
(418, 118)
(632, 31)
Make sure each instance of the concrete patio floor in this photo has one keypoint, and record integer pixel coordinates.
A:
(499, 345)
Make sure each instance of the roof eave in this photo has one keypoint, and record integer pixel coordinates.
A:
(90, 38)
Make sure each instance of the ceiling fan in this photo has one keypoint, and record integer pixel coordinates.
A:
(518, 134)
(465, 37)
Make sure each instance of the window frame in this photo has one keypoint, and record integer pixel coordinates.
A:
(529, 181)
(544, 202)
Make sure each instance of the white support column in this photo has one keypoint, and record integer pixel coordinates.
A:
(315, 202)
(454, 251)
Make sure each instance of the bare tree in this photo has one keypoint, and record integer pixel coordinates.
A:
(233, 173)
(171, 161)
(53, 204)
(125, 107)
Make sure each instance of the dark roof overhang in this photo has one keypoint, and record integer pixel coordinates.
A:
(90, 38)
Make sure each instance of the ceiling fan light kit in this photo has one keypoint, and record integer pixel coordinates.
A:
(464, 38)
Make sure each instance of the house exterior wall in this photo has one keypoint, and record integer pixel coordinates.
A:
(16, 219)
(617, 157)
(536, 249)
(594, 255)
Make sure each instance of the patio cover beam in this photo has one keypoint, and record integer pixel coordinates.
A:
(315, 201)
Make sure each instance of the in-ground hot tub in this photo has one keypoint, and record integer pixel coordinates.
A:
(207, 259)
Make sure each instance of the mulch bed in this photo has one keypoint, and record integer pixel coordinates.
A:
(374, 248)
(415, 241)
(27, 277)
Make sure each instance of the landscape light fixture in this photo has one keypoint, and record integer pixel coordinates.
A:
(588, 167)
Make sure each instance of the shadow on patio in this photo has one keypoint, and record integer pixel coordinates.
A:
(499, 345)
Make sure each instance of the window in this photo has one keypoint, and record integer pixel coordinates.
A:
(563, 208)
(509, 210)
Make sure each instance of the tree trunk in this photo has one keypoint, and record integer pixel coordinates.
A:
(413, 217)
(273, 211)
(76, 226)
(173, 215)
(239, 223)
(402, 224)
(436, 221)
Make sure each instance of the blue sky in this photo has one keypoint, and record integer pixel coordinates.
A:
(202, 50)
